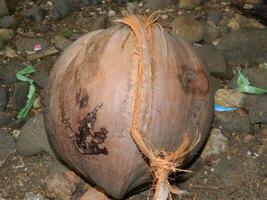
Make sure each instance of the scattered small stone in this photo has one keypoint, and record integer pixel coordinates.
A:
(215, 61)
(60, 42)
(164, 16)
(189, 29)
(215, 146)
(33, 139)
(20, 94)
(62, 8)
(61, 185)
(95, 194)
(233, 122)
(3, 98)
(33, 196)
(5, 118)
(3, 8)
(7, 146)
(7, 22)
(230, 98)
(244, 46)
(159, 4)
(36, 14)
(214, 16)
(189, 4)
(111, 13)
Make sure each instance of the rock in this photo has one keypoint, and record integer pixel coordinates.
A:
(62, 8)
(40, 78)
(3, 8)
(189, 4)
(257, 76)
(9, 52)
(61, 186)
(33, 196)
(5, 118)
(36, 14)
(189, 29)
(214, 16)
(26, 45)
(212, 33)
(20, 94)
(159, 4)
(100, 23)
(111, 13)
(216, 145)
(5, 35)
(7, 146)
(56, 167)
(7, 22)
(41, 28)
(233, 122)
(230, 98)
(60, 42)
(257, 106)
(32, 139)
(215, 61)
(241, 22)
(3, 98)
(93, 193)
(244, 46)
(46, 52)
(8, 72)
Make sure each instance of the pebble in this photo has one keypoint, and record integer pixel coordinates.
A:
(111, 13)
(3, 98)
(7, 146)
(40, 78)
(189, 4)
(8, 72)
(212, 33)
(9, 52)
(36, 14)
(216, 145)
(159, 4)
(230, 98)
(244, 46)
(62, 8)
(33, 196)
(5, 35)
(7, 22)
(26, 45)
(61, 185)
(233, 122)
(3, 8)
(32, 139)
(215, 61)
(20, 94)
(60, 42)
(5, 118)
(189, 29)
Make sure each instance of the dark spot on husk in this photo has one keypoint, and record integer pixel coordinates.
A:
(186, 77)
(82, 98)
(88, 141)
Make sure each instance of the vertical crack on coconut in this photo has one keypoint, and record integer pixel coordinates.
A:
(88, 141)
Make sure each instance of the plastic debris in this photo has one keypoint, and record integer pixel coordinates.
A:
(37, 47)
(243, 85)
(223, 108)
(22, 76)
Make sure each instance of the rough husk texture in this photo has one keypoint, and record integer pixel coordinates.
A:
(125, 101)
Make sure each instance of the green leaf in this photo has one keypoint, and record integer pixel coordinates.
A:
(243, 85)
(22, 76)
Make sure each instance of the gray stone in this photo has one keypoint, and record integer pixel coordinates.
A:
(5, 35)
(32, 139)
(7, 146)
(26, 45)
(3, 8)
(189, 29)
(36, 14)
(215, 61)
(244, 46)
(62, 8)
(233, 122)
(5, 118)
(257, 107)
(214, 16)
(90, 2)
(60, 42)
(212, 33)
(8, 72)
(40, 78)
(7, 22)
(159, 4)
(3, 98)
(189, 4)
(20, 94)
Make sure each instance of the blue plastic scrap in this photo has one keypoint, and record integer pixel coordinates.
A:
(224, 109)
